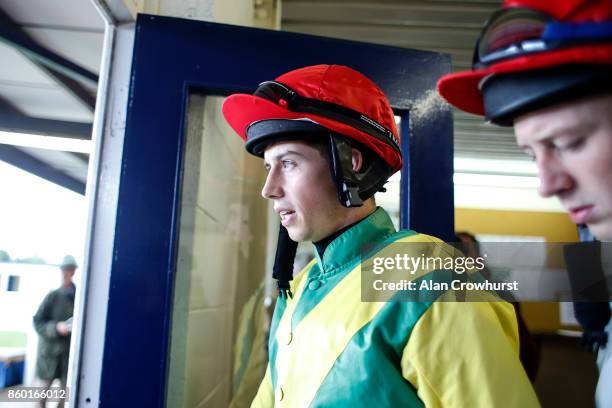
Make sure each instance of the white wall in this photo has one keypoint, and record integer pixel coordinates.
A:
(19, 307)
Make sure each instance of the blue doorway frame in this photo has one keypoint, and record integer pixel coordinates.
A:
(175, 57)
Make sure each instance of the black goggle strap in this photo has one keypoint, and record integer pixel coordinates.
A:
(283, 263)
(345, 178)
(275, 92)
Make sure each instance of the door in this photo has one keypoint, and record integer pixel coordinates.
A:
(187, 304)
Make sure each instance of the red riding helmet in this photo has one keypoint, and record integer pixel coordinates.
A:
(335, 97)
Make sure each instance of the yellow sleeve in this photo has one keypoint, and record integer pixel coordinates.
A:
(467, 355)
(265, 394)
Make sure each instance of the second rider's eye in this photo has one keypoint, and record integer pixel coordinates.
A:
(570, 145)
(288, 163)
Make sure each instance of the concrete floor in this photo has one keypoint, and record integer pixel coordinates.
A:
(567, 375)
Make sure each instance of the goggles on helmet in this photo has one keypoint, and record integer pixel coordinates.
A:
(285, 96)
(518, 31)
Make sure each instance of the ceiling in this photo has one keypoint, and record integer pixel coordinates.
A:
(446, 26)
(51, 53)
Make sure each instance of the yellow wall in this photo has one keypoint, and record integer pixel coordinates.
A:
(555, 227)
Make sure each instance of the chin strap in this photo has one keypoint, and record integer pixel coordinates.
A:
(593, 317)
(342, 170)
(283, 263)
(583, 262)
(355, 187)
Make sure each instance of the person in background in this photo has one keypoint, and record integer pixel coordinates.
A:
(53, 323)
(545, 67)
(529, 350)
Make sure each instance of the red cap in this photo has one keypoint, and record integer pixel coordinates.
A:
(462, 89)
(336, 84)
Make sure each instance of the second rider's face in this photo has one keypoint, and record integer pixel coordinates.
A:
(572, 146)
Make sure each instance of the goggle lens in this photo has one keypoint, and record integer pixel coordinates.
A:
(507, 32)
(272, 91)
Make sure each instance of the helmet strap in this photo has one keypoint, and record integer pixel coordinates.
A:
(341, 160)
(283, 262)
(355, 186)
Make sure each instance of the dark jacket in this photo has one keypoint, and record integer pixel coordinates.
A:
(53, 349)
